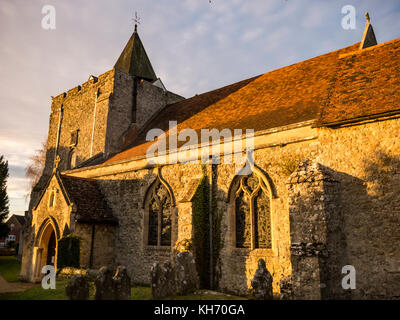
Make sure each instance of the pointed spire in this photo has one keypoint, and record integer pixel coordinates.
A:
(368, 39)
(134, 60)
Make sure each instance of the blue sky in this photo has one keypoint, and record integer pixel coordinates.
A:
(194, 46)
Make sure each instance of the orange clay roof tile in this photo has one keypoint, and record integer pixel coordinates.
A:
(326, 88)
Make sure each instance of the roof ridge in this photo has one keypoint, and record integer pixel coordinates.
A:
(309, 59)
(223, 87)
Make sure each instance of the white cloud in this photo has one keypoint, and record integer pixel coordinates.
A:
(252, 34)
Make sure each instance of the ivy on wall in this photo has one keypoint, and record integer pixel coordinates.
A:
(201, 230)
(68, 252)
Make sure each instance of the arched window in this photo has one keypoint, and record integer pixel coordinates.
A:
(252, 213)
(52, 198)
(160, 212)
(72, 159)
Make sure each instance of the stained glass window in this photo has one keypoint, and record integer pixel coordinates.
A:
(262, 220)
(252, 213)
(159, 232)
(243, 223)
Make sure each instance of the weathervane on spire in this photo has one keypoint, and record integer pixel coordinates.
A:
(57, 161)
(136, 20)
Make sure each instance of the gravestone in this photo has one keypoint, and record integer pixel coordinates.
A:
(122, 284)
(178, 279)
(77, 288)
(187, 280)
(262, 282)
(104, 285)
(162, 280)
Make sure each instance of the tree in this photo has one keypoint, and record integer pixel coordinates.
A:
(36, 165)
(4, 229)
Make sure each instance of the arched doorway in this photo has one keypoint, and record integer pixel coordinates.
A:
(51, 250)
(46, 248)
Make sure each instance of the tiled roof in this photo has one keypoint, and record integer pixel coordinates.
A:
(134, 59)
(344, 88)
(366, 83)
(89, 200)
(181, 112)
(21, 219)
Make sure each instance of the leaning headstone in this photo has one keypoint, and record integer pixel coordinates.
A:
(122, 284)
(92, 274)
(104, 285)
(262, 282)
(77, 288)
(162, 280)
(187, 280)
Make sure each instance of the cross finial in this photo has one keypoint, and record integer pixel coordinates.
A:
(57, 162)
(367, 16)
(136, 20)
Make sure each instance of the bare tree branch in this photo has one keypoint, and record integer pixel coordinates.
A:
(36, 164)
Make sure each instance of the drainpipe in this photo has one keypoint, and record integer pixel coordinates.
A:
(210, 209)
(59, 130)
(92, 247)
(94, 122)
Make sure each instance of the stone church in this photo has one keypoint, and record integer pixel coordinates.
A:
(322, 192)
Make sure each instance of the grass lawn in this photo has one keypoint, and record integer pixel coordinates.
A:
(38, 293)
(9, 268)
(137, 293)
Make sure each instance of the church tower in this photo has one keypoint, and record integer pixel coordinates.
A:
(103, 115)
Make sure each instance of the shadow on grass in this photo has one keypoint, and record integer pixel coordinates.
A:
(9, 268)
(38, 293)
(137, 293)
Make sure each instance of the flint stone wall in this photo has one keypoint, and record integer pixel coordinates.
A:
(366, 164)
(317, 242)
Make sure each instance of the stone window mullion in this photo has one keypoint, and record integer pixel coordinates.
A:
(252, 223)
(159, 226)
(253, 214)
